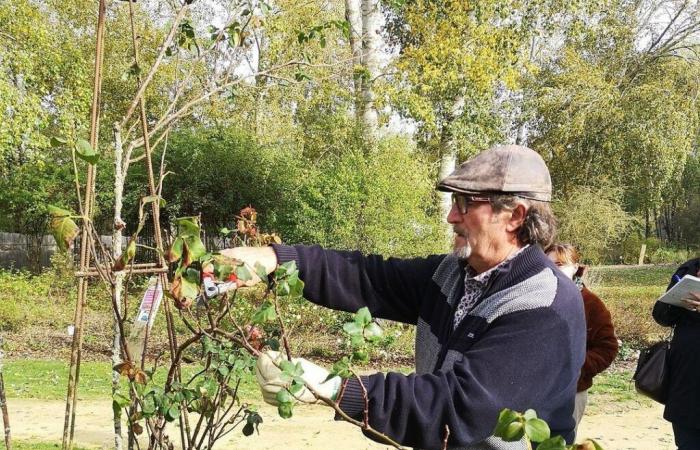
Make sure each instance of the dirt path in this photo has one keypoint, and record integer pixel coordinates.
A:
(313, 428)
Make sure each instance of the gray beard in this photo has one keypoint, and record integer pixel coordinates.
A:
(463, 252)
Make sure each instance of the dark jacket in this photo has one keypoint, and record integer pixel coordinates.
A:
(683, 404)
(521, 346)
(601, 342)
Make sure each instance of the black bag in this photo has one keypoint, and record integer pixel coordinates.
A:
(651, 376)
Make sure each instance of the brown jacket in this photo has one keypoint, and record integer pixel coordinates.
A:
(601, 342)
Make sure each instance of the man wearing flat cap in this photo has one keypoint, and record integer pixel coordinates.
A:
(498, 326)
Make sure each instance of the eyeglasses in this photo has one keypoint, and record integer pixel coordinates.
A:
(463, 201)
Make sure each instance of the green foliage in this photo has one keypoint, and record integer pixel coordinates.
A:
(606, 113)
(362, 333)
(512, 426)
(592, 219)
(373, 199)
(378, 200)
(455, 57)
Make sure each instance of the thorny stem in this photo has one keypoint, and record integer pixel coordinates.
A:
(365, 397)
(283, 331)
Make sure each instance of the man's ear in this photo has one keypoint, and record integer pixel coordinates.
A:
(517, 218)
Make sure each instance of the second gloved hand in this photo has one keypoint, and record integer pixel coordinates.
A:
(272, 380)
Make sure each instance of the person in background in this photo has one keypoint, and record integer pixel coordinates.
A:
(601, 342)
(683, 403)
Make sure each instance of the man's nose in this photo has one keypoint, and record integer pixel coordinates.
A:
(454, 215)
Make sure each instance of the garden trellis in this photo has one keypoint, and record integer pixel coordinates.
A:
(226, 349)
(90, 265)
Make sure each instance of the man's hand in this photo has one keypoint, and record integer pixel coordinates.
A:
(270, 379)
(252, 255)
(692, 302)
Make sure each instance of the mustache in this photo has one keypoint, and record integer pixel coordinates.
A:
(459, 232)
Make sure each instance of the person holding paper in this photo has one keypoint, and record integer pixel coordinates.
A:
(683, 402)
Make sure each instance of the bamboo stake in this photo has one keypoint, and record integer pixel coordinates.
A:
(78, 319)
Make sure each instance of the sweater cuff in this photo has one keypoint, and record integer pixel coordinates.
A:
(352, 400)
(285, 253)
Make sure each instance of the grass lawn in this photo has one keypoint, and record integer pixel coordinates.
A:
(630, 292)
(48, 380)
(31, 445)
(613, 391)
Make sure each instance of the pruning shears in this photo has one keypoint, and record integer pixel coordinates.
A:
(211, 288)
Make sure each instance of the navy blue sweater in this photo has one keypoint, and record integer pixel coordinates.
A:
(521, 346)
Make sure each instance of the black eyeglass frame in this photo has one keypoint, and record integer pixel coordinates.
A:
(464, 200)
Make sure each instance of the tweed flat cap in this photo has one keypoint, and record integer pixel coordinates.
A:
(504, 169)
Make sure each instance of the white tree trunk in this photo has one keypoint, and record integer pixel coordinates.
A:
(371, 48)
(117, 239)
(448, 160)
(353, 15)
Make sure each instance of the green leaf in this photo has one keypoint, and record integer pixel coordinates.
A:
(62, 227)
(225, 231)
(373, 332)
(266, 313)
(282, 289)
(175, 252)
(242, 273)
(537, 430)
(361, 355)
(283, 396)
(352, 328)
(340, 368)
(260, 271)
(55, 211)
(357, 340)
(85, 151)
(296, 286)
(291, 369)
(295, 388)
(505, 418)
(121, 400)
(149, 406)
(530, 414)
(555, 443)
(514, 432)
(286, 269)
(187, 226)
(195, 247)
(57, 141)
(173, 412)
(234, 38)
(363, 316)
(285, 409)
(273, 343)
(190, 289)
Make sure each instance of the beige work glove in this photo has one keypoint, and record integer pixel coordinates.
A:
(271, 381)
